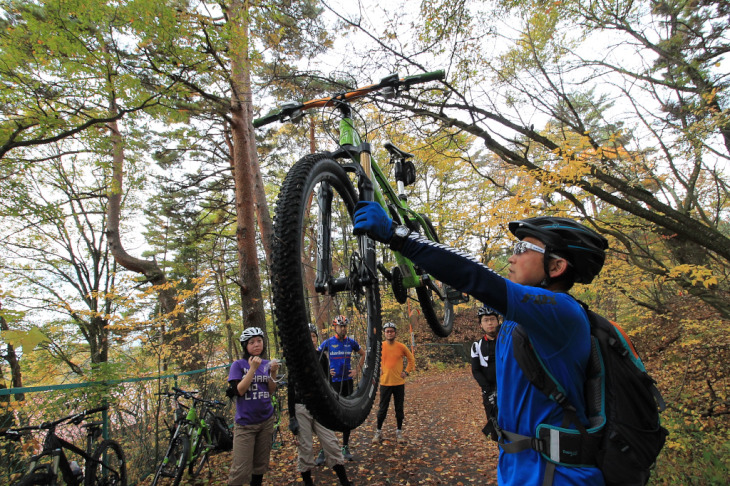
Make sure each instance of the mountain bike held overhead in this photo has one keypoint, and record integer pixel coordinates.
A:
(321, 270)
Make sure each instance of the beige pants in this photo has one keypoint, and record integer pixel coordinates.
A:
(308, 426)
(251, 451)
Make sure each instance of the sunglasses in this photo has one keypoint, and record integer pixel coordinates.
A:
(522, 246)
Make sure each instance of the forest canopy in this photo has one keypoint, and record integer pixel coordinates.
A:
(137, 199)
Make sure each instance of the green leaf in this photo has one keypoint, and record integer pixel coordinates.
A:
(25, 339)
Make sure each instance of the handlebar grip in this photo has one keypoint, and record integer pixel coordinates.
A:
(11, 434)
(424, 78)
(266, 119)
(96, 410)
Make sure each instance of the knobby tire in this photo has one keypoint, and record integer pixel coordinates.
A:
(296, 304)
(177, 455)
(107, 467)
(438, 312)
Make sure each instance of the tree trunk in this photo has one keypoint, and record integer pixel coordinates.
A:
(266, 226)
(244, 168)
(167, 296)
(16, 378)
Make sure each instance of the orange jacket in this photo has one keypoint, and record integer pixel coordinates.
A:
(391, 364)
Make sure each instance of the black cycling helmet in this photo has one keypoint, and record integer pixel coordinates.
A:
(582, 247)
(313, 329)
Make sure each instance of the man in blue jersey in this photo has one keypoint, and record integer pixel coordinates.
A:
(551, 255)
(340, 348)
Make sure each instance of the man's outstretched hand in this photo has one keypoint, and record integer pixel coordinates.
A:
(371, 219)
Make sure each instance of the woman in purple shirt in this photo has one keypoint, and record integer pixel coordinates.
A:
(251, 381)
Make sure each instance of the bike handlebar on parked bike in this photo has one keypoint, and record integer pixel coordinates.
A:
(76, 418)
(293, 109)
(178, 392)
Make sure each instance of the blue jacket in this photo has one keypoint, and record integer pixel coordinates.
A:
(559, 330)
(340, 353)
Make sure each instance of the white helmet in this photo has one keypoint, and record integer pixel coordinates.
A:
(250, 332)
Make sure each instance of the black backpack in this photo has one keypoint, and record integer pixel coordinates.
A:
(221, 434)
(624, 436)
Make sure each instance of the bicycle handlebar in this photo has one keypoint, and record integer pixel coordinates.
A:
(178, 392)
(76, 418)
(291, 109)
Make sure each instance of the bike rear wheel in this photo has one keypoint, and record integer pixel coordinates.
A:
(314, 217)
(107, 466)
(173, 464)
(433, 298)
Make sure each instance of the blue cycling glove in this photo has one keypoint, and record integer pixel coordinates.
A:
(371, 218)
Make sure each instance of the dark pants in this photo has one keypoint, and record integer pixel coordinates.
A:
(490, 409)
(344, 389)
(399, 395)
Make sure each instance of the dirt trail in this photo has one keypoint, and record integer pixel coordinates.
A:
(444, 417)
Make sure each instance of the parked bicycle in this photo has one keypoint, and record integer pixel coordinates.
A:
(196, 434)
(104, 464)
(321, 270)
(278, 402)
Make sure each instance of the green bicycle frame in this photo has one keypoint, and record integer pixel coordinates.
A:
(349, 136)
(197, 429)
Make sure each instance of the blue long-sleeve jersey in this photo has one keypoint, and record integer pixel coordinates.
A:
(559, 330)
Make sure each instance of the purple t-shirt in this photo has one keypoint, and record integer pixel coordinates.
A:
(254, 406)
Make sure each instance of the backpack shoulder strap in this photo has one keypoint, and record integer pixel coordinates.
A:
(535, 371)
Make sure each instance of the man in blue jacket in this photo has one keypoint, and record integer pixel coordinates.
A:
(340, 348)
(551, 255)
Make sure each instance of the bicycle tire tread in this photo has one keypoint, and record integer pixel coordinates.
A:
(289, 306)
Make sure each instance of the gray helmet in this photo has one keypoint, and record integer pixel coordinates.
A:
(486, 311)
(313, 329)
(389, 325)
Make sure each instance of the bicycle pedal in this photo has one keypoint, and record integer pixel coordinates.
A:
(456, 297)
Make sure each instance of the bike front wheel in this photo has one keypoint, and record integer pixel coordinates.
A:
(201, 458)
(173, 464)
(202, 448)
(107, 466)
(319, 271)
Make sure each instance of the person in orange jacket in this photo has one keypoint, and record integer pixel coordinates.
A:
(393, 381)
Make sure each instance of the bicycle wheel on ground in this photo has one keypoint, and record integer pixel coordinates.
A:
(204, 447)
(433, 297)
(173, 464)
(107, 466)
(318, 273)
(201, 458)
